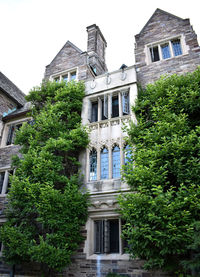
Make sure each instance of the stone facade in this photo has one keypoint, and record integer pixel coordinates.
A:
(106, 110)
(161, 28)
(86, 64)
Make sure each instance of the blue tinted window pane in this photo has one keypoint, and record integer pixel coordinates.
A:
(104, 164)
(73, 76)
(116, 162)
(65, 78)
(177, 47)
(165, 51)
(93, 165)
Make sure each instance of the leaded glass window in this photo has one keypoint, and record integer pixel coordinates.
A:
(165, 51)
(12, 133)
(73, 76)
(65, 78)
(116, 162)
(93, 165)
(94, 112)
(177, 47)
(115, 106)
(125, 103)
(104, 163)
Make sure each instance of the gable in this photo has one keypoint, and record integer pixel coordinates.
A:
(159, 17)
(11, 90)
(68, 49)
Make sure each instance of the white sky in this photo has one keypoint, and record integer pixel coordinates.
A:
(33, 31)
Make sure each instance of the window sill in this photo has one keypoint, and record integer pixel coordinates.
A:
(168, 59)
(109, 119)
(114, 256)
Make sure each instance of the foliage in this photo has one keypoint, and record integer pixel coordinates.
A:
(164, 215)
(45, 206)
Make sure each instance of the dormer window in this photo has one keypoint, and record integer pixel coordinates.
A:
(165, 50)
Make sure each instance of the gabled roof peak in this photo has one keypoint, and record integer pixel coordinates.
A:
(159, 11)
(67, 43)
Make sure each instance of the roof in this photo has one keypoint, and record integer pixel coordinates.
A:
(19, 112)
(159, 11)
(11, 90)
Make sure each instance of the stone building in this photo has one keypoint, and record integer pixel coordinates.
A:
(167, 44)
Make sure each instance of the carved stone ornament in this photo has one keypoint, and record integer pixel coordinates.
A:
(108, 80)
(123, 76)
(93, 84)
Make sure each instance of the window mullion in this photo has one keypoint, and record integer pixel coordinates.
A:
(99, 108)
(120, 103)
(98, 165)
(160, 52)
(106, 236)
(110, 162)
(109, 106)
(171, 49)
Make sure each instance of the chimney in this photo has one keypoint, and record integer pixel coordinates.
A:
(96, 47)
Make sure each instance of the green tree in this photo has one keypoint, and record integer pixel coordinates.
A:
(46, 208)
(163, 216)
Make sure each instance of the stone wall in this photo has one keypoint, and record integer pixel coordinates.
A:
(68, 57)
(160, 27)
(5, 104)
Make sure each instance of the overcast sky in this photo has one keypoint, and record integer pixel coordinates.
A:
(33, 31)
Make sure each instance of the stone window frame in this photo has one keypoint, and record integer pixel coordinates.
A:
(6, 171)
(160, 43)
(104, 105)
(110, 161)
(6, 130)
(89, 248)
(59, 76)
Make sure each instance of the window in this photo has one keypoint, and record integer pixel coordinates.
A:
(106, 236)
(67, 77)
(94, 112)
(5, 181)
(112, 101)
(116, 162)
(154, 54)
(105, 107)
(164, 51)
(12, 132)
(177, 47)
(2, 175)
(104, 163)
(125, 103)
(93, 165)
(115, 106)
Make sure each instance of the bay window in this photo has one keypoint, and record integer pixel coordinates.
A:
(109, 106)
